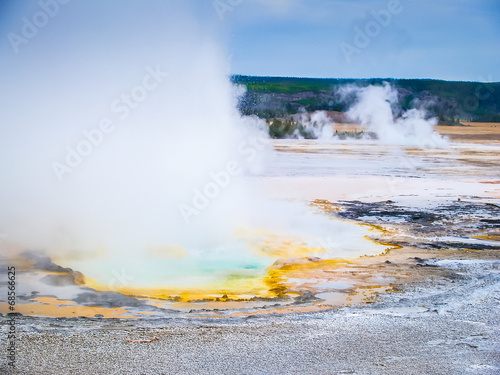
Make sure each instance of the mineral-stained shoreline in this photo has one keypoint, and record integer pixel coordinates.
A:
(444, 320)
(443, 326)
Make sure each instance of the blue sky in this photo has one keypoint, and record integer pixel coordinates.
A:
(441, 39)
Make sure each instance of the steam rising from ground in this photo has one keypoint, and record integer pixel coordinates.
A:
(375, 107)
(124, 149)
(318, 125)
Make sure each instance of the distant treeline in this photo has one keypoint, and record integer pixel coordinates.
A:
(449, 101)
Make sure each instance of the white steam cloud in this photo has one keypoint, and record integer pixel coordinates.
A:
(104, 139)
(123, 143)
(318, 124)
(373, 108)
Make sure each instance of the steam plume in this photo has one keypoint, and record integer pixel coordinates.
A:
(374, 107)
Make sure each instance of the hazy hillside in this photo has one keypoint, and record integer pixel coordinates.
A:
(270, 97)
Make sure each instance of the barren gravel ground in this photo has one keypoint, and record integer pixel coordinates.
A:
(445, 326)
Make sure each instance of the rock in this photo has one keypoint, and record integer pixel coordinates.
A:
(14, 314)
(70, 278)
(107, 299)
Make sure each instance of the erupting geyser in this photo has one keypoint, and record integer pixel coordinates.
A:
(123, 153)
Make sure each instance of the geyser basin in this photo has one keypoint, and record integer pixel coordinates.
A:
(239, 267)
(271, 262)
(252, 270)
(140, 179)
